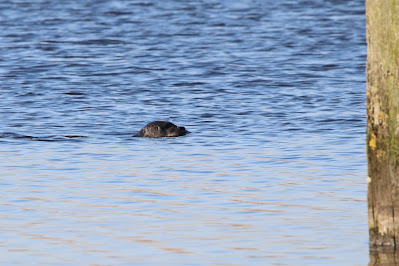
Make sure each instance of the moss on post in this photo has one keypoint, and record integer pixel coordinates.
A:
(382, 18)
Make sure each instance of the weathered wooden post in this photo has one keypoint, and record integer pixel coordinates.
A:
(382, 18)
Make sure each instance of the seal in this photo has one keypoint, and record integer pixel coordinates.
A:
(159, 129)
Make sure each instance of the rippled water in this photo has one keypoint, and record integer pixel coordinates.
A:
(274, 171)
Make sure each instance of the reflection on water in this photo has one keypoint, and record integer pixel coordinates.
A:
(274, 171)
(383, 257)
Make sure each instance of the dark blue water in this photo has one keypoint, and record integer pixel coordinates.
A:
(273, 173)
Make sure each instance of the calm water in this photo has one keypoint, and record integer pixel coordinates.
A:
(273, 173)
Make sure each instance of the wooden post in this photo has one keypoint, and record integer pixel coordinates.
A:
(382, 18)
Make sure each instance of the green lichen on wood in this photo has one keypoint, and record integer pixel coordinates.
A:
(382, 17)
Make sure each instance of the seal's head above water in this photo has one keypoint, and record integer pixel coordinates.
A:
(158, 129)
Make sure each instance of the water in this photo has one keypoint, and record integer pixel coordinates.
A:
(273, 173)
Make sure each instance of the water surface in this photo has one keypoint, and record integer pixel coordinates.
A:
(273, 173)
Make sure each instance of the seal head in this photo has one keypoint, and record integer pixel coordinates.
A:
(159, 129)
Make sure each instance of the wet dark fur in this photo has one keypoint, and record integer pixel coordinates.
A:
(159, 129)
